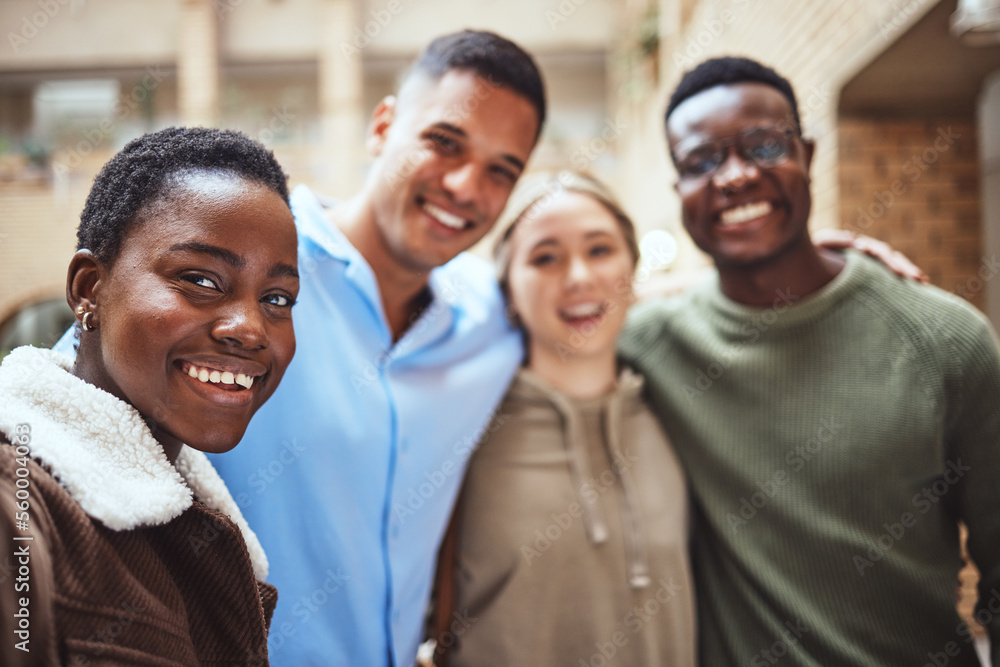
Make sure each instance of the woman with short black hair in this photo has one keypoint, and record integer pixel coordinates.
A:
(133, 550)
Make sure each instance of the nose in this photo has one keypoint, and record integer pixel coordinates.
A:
(241, 325)
(462, 182)
(735, 172)
(579, 272)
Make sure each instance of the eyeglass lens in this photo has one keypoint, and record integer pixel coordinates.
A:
(765, 147)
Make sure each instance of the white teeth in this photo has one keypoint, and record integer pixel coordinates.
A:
(444, 217)
(734, 216)
(220, 377)
(583, 310)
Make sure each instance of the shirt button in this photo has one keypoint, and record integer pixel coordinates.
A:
(395, 531)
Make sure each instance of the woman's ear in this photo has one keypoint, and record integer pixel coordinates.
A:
(84, 281)
(625, 289)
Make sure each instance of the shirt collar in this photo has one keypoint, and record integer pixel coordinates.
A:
(320, 236)
(314, 226)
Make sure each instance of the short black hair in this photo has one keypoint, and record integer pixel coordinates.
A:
(141, 173)
(489, 56)
(729, 70)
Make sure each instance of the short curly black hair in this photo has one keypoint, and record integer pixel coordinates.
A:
(489, 56)
(727, 70)
(141, 173)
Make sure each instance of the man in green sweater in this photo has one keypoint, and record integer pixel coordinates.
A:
(836, 422)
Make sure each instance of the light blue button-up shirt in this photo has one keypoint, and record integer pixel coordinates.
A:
(349, 472)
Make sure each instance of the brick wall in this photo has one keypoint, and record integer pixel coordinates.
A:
(915, 185)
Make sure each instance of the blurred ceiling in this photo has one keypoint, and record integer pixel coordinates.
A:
(925, 72)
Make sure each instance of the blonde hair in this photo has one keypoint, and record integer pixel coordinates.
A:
(528, 200)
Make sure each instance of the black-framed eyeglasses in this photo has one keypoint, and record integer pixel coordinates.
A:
(766, 147)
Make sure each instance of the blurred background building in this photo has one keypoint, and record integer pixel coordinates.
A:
(904, 105)
(905, 113)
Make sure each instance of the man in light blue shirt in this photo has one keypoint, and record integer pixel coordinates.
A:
(349, 473)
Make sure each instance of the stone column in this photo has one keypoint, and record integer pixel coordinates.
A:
(341, 99)
(198, 63)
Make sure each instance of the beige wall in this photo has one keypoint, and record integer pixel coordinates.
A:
(267, 31)
(58, 33)
(37, 238)
(101, 33)
(538, 25)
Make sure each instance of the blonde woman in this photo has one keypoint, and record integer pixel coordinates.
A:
(570, 538)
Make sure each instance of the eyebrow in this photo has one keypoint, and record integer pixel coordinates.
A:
(589, 235)
(279, 270)
(454, 129)
(227, 256)
(231, 258)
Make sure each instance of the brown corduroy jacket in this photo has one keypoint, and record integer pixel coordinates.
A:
(119, 558)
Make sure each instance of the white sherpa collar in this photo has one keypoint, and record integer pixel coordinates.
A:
(103, 453)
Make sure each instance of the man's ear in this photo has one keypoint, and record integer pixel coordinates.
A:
(378, 128)
(84, 280)
(808, 148)
(672, 157)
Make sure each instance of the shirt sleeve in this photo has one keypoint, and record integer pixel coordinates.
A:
(67, 344)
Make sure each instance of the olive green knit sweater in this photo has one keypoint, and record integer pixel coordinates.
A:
(832, 446)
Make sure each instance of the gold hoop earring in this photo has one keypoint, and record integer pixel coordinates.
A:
(84, 324)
